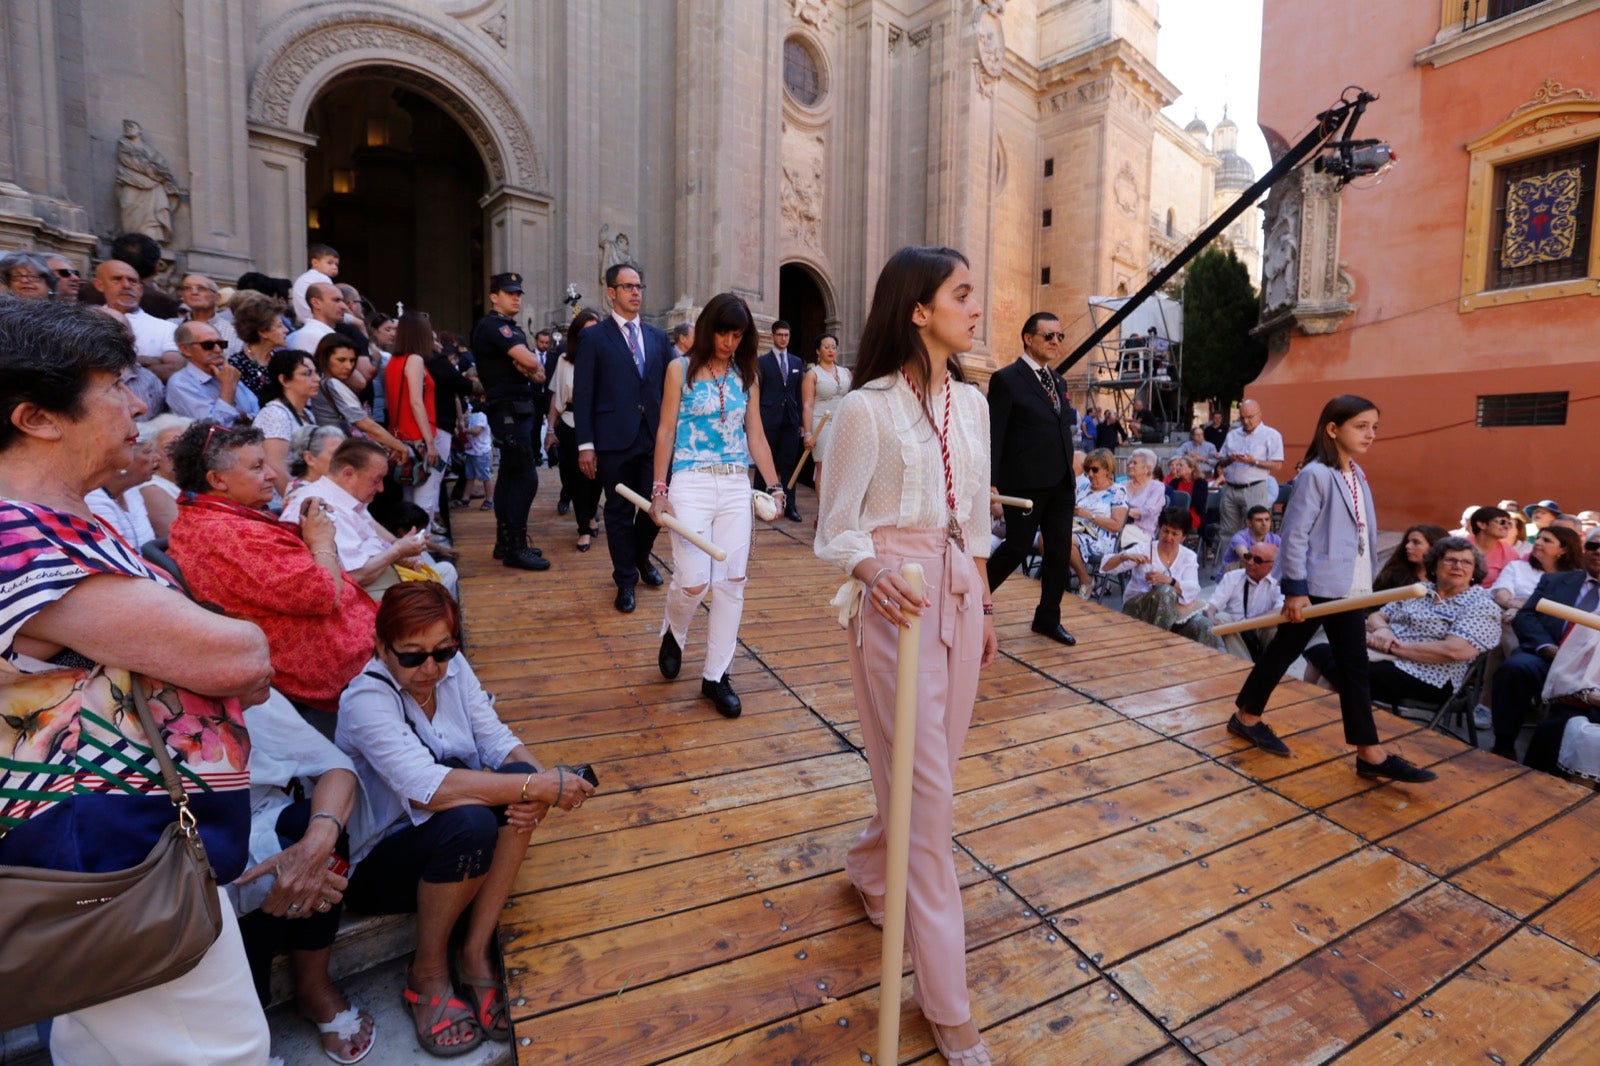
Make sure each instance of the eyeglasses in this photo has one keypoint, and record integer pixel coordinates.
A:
(210, 346)
(66, 272)
(1257, 559)
(413, 659)
(629, 287)
(1458, 562)
(24, 275)
(1592, 546)
(1057, 336)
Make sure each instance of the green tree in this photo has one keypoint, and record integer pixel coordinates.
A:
(1220, 308)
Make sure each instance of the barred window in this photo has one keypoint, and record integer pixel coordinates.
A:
(1543, 218)
(1522, 409)
(802, 74)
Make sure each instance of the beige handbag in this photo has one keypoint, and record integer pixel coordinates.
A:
(69, 940)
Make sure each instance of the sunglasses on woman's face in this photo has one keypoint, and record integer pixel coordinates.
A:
(413, 659)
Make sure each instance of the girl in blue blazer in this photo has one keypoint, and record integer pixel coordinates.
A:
(1330, 544)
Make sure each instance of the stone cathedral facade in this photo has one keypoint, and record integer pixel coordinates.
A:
(781, 149)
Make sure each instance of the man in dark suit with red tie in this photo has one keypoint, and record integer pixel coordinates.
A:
(1031, 426)
(780, 375)
(616, 406)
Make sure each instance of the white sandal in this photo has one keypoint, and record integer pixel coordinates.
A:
(346, 1025)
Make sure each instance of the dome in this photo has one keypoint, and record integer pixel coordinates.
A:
(1235, 172)
(1197, 127)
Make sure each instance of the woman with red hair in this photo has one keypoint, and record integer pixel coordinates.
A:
(455, 795)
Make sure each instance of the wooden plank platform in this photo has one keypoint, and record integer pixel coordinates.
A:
(1138, 885)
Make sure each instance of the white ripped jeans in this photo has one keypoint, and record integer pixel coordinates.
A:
(717, 506)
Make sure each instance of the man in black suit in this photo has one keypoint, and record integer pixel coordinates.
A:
(616, 406)
(1520, 679)
(1031, 425)
(781, 374)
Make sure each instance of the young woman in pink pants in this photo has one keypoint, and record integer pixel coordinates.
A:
(908, 481)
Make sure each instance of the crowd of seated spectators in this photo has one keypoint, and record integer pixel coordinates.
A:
(257, 481)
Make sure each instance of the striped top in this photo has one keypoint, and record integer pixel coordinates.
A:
(80, 788)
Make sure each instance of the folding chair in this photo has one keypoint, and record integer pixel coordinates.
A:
(1458, 706)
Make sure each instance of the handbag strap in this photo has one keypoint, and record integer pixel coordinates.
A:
(169, 772)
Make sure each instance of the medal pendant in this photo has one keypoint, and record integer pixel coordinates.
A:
(1361, 547)
(955, 534)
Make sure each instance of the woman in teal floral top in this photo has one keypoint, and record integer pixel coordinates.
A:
(710, 433)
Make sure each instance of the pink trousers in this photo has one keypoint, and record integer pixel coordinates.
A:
(947, 684)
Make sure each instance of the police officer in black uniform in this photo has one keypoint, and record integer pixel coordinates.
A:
(510, 372)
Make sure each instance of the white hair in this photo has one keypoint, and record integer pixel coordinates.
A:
(1143, 453)
(151, 430)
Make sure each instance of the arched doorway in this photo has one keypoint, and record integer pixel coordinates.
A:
(394, 183)
(802, 304)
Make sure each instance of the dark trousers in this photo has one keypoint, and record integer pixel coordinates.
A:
(630, 534)
(1388, 683)
(518, 480)
(785, 444)
(584, 492)
(265, 935)
(1347, 641)
(1545, 748)
(1517, 688)
(1051, 516)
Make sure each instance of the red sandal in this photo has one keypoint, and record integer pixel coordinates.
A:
(448, 1011)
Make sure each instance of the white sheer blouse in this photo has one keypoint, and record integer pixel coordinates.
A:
(884, 469)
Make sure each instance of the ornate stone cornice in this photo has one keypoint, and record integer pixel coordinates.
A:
(1551, 92)
(407, 50)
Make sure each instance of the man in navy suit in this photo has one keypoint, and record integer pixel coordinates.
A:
(1031, 424)
(616, 405)
(780, 377)
(1520, 679)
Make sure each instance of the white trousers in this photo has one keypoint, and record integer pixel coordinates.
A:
(717, 506)
(426, 495)
(209, 1015)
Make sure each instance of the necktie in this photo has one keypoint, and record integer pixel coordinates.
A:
(633, 343)
(1247, 599)
(1590, 598)
(783, 364)
(1049, 384)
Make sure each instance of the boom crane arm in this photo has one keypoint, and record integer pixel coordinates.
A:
(1328, 124)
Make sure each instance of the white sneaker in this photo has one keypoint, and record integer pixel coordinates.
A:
(1482, 717)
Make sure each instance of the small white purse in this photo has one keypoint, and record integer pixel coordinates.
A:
(764, 506)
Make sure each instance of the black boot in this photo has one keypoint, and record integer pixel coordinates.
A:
(517, 555)
(499, 540)
(722, 697)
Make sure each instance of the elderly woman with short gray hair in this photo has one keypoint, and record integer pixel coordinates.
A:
(28, 276)
(1146, 495)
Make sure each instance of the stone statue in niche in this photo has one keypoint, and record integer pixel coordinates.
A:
(1280, 275)
(613, 250)
(147, 191)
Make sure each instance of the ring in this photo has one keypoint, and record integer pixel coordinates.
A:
(886, 601)
(324, 905)
(293, 907)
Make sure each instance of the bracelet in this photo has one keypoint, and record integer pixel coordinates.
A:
(526, 781)
(561, 785)
(988, 608)
(776, 490)
(874, 582)
(334, 818)
(325, 551)
(659, 492)
(654, 485)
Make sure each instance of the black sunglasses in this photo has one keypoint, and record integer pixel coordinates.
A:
(1256, 559)
(1592, 546)
(210, 346)
(66, 272)
(412, 659)
(1053, 336)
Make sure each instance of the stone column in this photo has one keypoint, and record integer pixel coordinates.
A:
(277, 179)
(215, 80)
(34, 208)
(518, 236)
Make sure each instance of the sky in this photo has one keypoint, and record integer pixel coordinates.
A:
(1211, 49)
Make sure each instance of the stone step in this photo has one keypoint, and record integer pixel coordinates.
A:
(296, 1043)
(364, 941)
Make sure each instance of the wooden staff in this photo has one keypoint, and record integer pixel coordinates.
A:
(1012, 501)
(801, 465)
(1568, 614)
(898, 827)
(1349, 603)
(671, 522)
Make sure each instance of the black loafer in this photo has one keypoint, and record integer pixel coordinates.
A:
(650, 576)
(670, 658)
(722, 697)
(1394, 768)
(1260, 734)
(563, 506)
(1057, 633)
(624, 600)
(525, 559)
(792, 514)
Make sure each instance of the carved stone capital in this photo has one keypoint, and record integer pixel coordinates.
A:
(1304, 283)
